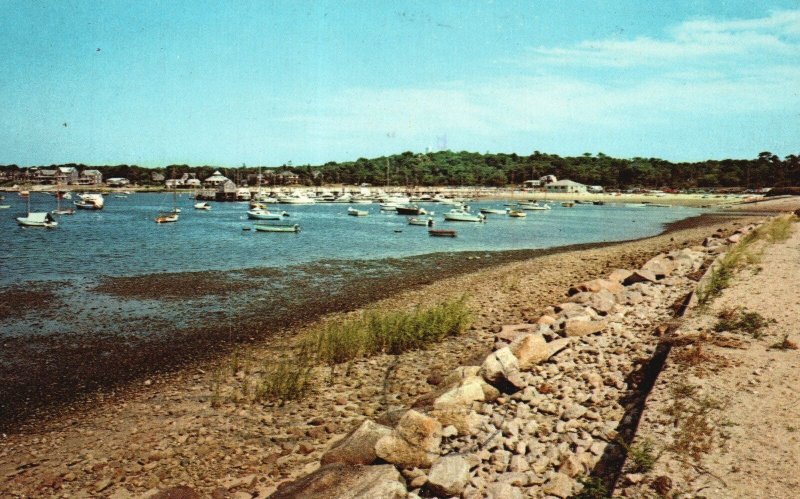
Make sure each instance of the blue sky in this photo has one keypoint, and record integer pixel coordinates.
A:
(226, 83)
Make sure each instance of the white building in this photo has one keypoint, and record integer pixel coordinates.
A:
(216, 179)
(117, 182)
(566, 186)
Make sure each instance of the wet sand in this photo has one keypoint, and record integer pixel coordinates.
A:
(41, 376)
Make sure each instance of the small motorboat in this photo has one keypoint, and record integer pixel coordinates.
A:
(427, 222)
(166, 217)
(493, 211)
(5, 206)
(568, 204)
(441, 233)
(534, 206)
(202, 206)
(61, 211)
(517, 214)
(598, 203)
(357, 213)
(90, 202)
(38, 220)
(276, 228)
(456, 215)
(410, 209)
(265, 215)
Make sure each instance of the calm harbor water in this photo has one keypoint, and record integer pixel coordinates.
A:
(123, 240)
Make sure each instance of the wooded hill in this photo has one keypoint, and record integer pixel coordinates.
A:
(469, 168)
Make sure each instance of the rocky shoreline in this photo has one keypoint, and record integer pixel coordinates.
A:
(166, 432)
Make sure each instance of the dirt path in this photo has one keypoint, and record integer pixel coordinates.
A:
(737, 410)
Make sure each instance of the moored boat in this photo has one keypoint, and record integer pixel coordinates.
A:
(493, 211)
(428, 222)
(167, 217)
(457, 215)
(534, 206)
(90, 202)
(202, 206)
(410, 209)
(276, 228)
(441, 233)
(357, 213)
(265, 215)
(43, 219)
(567, 204)
(517, 214)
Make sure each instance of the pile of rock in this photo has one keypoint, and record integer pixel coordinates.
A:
(536, 415)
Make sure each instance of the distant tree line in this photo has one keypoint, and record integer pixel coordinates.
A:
(469, 168)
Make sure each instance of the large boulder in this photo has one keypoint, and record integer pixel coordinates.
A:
(659, 265)
(619, 275)
(559, 485)
(530, 350)
(344, 481)
(596, 285)
(358, 447)
(465, 420)
(472, 389)
(501, 369)
(449, 475)
(511, 332)
(413, 442)
(602, 301)
(576, 328)
(641, 275)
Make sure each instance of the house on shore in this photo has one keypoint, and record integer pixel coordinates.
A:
(90, 177)
(566, 187)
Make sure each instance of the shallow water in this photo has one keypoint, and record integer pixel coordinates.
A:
(123, 240)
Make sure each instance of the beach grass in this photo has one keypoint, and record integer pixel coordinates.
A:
(746, 251)
(392, 332)
(284, 380)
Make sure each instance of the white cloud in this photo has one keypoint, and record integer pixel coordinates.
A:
(705, 72)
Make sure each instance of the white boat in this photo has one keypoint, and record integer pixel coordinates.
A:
(296, 199)
(38, 220)
(427, 222)
(276, 228)
(357, 213)
(170, 216)
(534, 206)
(90, 202)
(344, 198)
(493, 211)
(5, 206)
(202, 206)
(517, 214)
(243, 194)
(265, 215)
(457, 215)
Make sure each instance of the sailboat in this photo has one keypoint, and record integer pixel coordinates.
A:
(170, 216)
(59, 210)
(39, 219)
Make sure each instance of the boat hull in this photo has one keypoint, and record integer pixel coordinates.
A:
(277, 228)
(442, 233)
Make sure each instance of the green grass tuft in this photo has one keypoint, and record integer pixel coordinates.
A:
(377, 332)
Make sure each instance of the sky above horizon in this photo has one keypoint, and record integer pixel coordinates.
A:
(264, 83)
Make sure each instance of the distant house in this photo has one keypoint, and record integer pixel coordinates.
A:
(532, 183)
(566, 186)
(90, 177)
(43, 176)
(216, 179)
(67, 175)
(595, 188)
(173, 183)
(192, 182)
(157, 177)
(284, 177)
(117, 182)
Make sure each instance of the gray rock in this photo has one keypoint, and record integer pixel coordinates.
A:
(358, 447)
(414, 442)
(503, 490)
(501, 369)
(640, 275)
(344, 481)
(449, 475)
(559, 485)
